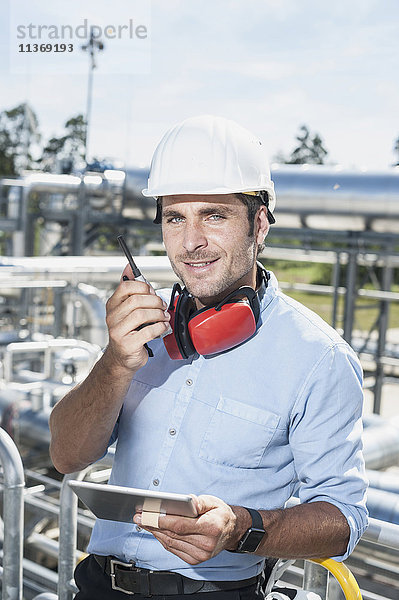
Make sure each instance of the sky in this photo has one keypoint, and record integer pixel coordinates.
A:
(270, 65)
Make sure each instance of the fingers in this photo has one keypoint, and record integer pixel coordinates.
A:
(129, 288)
(133, 304)
(194, 550)
(134, 317)
(205, 502)
(196, 539)
(185, 527)
(148, 333)
(128, 275)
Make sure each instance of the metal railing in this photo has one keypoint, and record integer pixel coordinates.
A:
(315, 577)
(13, 516)
(67, 539)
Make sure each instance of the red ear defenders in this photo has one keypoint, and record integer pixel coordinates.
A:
(212, 329)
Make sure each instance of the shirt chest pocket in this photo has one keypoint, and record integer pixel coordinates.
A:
(238, 434)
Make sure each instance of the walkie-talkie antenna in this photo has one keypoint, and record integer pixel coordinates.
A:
(136, 271)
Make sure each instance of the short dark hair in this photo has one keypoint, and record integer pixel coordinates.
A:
(253, 204)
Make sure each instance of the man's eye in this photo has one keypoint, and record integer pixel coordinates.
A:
(174, 219)
(216, 217)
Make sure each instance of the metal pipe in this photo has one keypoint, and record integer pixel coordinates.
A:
(382, 533)
(350, 296)
(387, 279)
(315, 579)
(95, 309)
(335, 285)
(49, 546)
(383, 480)
(381, 445)
(48, 347)
(383, 505)
(13, 516)
(67, 537)
(343, 576)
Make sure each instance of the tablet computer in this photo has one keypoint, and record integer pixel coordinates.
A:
(118, 503)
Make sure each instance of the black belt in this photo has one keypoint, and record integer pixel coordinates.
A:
(126, 577)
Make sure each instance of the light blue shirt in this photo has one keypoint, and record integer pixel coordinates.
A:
(276, 416)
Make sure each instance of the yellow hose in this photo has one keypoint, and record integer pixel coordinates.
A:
(344, 577)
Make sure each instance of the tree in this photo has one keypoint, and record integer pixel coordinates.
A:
(396, 149)
(310, 149)
(7, 152)
(18, 136)
(69, 147)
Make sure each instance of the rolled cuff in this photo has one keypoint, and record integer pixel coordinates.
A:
(357, 518)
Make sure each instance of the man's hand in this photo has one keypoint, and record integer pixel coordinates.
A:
(194, 540)
(135, 316)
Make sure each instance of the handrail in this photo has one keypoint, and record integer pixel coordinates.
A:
(67, 537)
(13, 516)
(343, 575)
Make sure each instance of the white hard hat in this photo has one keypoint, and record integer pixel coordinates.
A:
(209, 155)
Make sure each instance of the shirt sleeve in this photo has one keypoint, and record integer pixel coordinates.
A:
(114, 434)
(325, 437)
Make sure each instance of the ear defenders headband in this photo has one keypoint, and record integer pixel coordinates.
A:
(214, 328)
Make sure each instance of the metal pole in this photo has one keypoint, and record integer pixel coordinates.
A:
(387, 279)
(350, 296)
(13, 516)
(92, 45)
(315, 579)
(334, 590)
(67, 539)
(335, 283)
(89, 97)
(79, 228)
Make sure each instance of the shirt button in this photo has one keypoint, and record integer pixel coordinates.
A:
(155, 482)
(189, 381)
(172, 431)
(138, 528)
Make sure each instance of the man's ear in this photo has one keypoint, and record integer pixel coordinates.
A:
(262, 225)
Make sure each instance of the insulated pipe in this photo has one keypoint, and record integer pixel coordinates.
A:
(373, 420)
(383, 505)
(95, 310)
(383, 533)
(47, 348)
(382, 480)
(13, 516)
(381, 445)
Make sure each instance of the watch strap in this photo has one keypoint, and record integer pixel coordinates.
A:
(254, 535)
(257, 521)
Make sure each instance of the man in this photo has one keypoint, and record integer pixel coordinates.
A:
(244, 428)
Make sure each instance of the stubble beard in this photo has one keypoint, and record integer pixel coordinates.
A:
(206, 291)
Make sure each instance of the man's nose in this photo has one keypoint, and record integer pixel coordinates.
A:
(194, 237)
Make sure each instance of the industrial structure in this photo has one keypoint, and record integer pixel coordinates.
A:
(59, 262)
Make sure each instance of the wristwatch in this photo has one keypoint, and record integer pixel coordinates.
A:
(252, 538)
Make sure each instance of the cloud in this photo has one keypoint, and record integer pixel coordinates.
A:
(267, 70)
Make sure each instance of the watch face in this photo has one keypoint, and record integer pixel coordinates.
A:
(251, 540)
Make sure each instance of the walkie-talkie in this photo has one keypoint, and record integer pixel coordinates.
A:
(138, 276)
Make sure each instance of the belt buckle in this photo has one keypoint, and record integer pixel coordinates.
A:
(112, 563)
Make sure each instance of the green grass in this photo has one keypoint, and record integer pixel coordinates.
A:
(297, 272)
